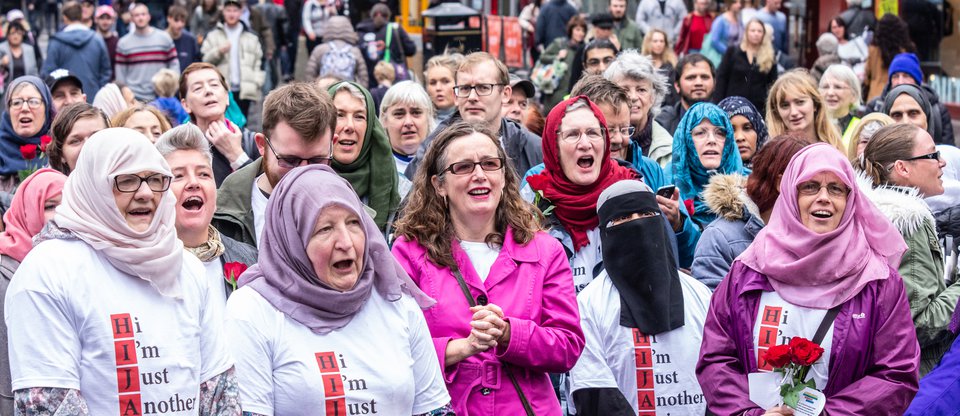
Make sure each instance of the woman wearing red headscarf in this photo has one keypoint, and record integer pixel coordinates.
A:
(32, 205)
(577, 168)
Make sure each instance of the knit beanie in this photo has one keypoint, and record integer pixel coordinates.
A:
(908, 63)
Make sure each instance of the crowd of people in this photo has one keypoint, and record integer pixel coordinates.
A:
(629, 231)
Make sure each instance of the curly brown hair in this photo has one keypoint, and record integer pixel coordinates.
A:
(426, 218)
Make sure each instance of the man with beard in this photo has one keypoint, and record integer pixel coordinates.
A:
(298, 125)
(626, 31)
(204, 95)
(639, 304)
(695, 76)
(374, 30)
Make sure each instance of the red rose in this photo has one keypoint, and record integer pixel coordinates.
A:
(44, 141)
(778, 356)
(805, 352)
(232, 272)
(28, 151)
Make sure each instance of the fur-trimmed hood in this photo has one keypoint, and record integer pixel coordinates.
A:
(903, 206)
(726, 196)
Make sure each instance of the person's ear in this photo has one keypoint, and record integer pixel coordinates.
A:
(506, 94)
(435, 181)
(261, 141)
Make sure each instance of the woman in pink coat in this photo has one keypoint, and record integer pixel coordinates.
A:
(467, 232)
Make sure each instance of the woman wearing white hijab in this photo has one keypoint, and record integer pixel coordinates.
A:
(126, 319)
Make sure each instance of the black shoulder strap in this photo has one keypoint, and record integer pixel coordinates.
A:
(506, 368)
(825, 324)
(463, 287)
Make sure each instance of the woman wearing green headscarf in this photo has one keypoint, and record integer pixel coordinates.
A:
(362, 153)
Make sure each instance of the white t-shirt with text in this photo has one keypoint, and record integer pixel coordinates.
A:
(382, 362)
(79, 323)
(656, 373)
(778, 321)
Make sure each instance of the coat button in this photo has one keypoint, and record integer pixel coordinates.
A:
(485, 391)
(482, 300)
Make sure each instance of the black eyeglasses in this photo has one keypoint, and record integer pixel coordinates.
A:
(931, 156)
(467, 167)
(157, 182)
(290, 162)
(463, 91)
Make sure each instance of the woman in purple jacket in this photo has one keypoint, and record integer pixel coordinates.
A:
(506, 312)
(827, 260)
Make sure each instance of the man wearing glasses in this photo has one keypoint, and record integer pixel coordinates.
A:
(482, 89)
(298, 124)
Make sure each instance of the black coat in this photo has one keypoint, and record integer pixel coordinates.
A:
(737, 76)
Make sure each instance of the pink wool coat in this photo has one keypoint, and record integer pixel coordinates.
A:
(534, 287)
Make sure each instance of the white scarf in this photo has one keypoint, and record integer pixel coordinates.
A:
(90, 211)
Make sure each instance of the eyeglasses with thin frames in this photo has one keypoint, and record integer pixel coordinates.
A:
(290, 162)
(813, 188)
(593, 134)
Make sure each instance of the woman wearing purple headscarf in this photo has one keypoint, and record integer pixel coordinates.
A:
(825, 269)
(328, 323)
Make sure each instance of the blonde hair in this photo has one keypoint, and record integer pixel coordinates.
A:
(882, 119)
(166, 82)
(384, 71)
(800, 82)
(121, 118)
(765, 55)
(667, 55)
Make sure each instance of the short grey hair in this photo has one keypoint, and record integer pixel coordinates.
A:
(354, 91)
(408, 93)
(845, 75)
(631, 64)
(184, 137)
(576, 105)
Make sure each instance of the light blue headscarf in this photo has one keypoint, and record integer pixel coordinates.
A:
(688, 173)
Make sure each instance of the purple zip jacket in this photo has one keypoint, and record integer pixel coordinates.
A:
(873, 361)
(534, 287)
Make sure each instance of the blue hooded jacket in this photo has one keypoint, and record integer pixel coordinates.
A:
(83, 53)
(10, 159)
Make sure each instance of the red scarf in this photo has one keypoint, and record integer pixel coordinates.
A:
(575, 205)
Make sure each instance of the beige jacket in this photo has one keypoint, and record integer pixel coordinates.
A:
(252, 75)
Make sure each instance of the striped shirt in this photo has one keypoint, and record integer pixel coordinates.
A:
(139, 57)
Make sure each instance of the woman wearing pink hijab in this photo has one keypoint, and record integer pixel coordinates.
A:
(825, 269)
(32, 206)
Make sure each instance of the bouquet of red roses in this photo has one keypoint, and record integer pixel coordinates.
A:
(794, 361)
(29, 153)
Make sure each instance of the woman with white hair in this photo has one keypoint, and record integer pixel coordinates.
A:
(408, 116)
(187, 151)
(646, 87)
(840, 88)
